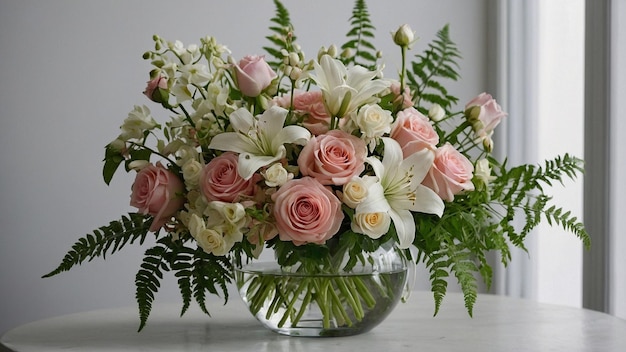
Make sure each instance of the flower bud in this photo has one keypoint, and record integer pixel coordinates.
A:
(332, 51)
(404, 36)
(436, 112)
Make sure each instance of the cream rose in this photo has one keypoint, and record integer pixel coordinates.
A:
(333, 158)
(306, 212)
(450, 174)
(373, 225)
(373, 121)
(192, 170)
(356, 190)
(159, 192)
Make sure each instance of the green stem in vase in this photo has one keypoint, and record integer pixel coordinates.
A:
(364, 292)
(290, 310)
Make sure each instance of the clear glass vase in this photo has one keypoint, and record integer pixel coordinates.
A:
(339, 298)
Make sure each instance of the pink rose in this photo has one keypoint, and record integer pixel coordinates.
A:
(156, 89)
(311, 105)
(405, 98)
(484, 113)
(306, 212)
(450, 174)
(159, 192)
(414, 132)
(219, 180)
(253, 75)
(333, 158)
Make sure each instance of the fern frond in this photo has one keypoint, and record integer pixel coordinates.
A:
(282, 37)
(437, 265)
(209, 273)
(520, 189)
(147, 279)
(106, 239)
(436, 63)
(363, 52)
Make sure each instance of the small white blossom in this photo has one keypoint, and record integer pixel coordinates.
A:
(276, 175)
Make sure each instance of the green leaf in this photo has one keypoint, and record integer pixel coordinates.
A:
(112, 160)
(106, 239)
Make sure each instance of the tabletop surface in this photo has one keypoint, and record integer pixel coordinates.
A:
(499, 324)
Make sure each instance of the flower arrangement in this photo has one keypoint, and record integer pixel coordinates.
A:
(309, 157)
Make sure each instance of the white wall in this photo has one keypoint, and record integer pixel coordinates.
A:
(69, 73)
(560, 129)
(618, 148)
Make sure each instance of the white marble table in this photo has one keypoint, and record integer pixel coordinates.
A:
(499, 324)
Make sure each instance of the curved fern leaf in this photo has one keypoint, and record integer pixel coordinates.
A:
(283, 37)
(436, 63)
(147, 279)
(363, 52)
(106, 239)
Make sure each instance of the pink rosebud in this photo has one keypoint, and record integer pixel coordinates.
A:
(159, 192)
(414, 132)
(405, 97)
(333, 158)
(484, 113)
(450, 174)
(306, 212)
(219, 180)
(156, 89)
(253, 75)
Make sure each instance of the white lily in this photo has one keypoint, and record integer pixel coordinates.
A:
(343, 89)
(259, 140)
(399, 191)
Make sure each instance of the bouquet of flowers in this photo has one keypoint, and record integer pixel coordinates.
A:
(314, 157)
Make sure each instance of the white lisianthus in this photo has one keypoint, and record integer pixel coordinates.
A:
(374, 122)
(436, 112)
(482, 171)
(191, 173)
(356, 190)
(276, 175)
(138, 164)
(138, 121)
(196, 74)
(373, 225)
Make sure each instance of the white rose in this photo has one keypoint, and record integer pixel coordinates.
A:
(373, 121)
(210, 240)
(191, 173)
(232, 213)
(373, 225)
(436, 112)
(276, 175)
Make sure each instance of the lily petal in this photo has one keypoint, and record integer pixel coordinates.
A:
(242, 120)
(427, 201)
(272, 120)
(232, 142)
(375, 201)
(292, 134)
(419, 163)
(405, 227)
(248, 164)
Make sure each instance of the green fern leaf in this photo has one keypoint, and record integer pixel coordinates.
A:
(363, 52)
(283, 35)
(106, 239)
(437, 62)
